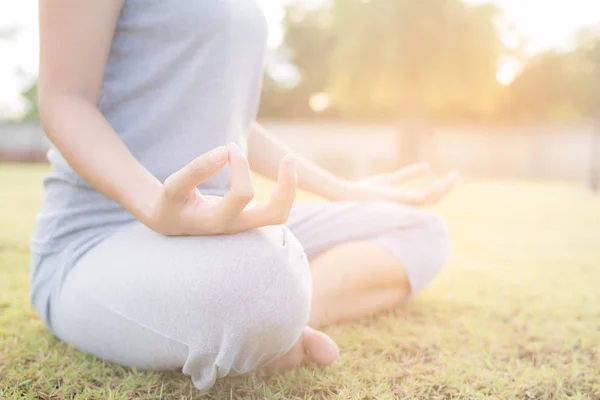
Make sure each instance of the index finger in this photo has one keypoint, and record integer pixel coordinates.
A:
(182, 182)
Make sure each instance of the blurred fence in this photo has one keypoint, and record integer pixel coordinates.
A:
(22, 142)
(561, 152)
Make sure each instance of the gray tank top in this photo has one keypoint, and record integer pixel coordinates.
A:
(183, 77)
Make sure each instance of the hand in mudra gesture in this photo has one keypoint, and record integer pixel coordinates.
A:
(385, 186)
(182, 210)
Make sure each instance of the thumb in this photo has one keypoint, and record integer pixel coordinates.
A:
(182, 182)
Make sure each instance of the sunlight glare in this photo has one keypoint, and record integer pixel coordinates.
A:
(508, 70)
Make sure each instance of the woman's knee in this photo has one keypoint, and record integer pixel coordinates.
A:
(280, 280)
(268, 296)
(273, 269)
(428, 231)
(438, 232)
(432, 238)
(423, 247)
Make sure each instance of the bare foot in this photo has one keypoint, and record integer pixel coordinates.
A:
(313, 346)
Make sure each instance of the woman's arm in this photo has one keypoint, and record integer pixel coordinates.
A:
(265, 151)
(75, 39)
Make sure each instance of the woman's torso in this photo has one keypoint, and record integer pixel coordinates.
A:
(183, 77)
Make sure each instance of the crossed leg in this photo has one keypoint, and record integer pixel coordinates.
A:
(354, 280)
(160, 303)
(367, 258)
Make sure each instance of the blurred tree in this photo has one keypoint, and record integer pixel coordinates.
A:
(377, 58)
(541, 90)
(406, 59)
(309, 39)
(595, 110)
(438, 56)
(30, 95)
(557, 85)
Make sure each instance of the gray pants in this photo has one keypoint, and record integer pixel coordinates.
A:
(223, 306)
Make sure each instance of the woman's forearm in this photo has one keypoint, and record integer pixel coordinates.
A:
(72, 67)
(265, 152)
(94, 150)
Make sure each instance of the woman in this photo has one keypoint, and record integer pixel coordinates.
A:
(148, 250)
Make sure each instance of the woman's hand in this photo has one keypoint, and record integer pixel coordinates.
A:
(182, 210)
(384, 187)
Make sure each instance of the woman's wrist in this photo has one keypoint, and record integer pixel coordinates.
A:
(142, 201)
(342, 190)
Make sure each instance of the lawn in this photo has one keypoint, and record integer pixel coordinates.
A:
(516, 314)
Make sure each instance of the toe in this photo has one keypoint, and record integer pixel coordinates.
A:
(320, 347)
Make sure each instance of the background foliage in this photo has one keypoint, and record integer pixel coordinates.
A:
(381, 58)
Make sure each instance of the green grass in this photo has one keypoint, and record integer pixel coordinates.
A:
(515, 315)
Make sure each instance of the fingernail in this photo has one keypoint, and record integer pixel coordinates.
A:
(219, 154)
(233, 146)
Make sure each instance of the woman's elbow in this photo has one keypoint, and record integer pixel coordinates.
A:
(58, 106)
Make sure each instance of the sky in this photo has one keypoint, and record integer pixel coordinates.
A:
(542, 23)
